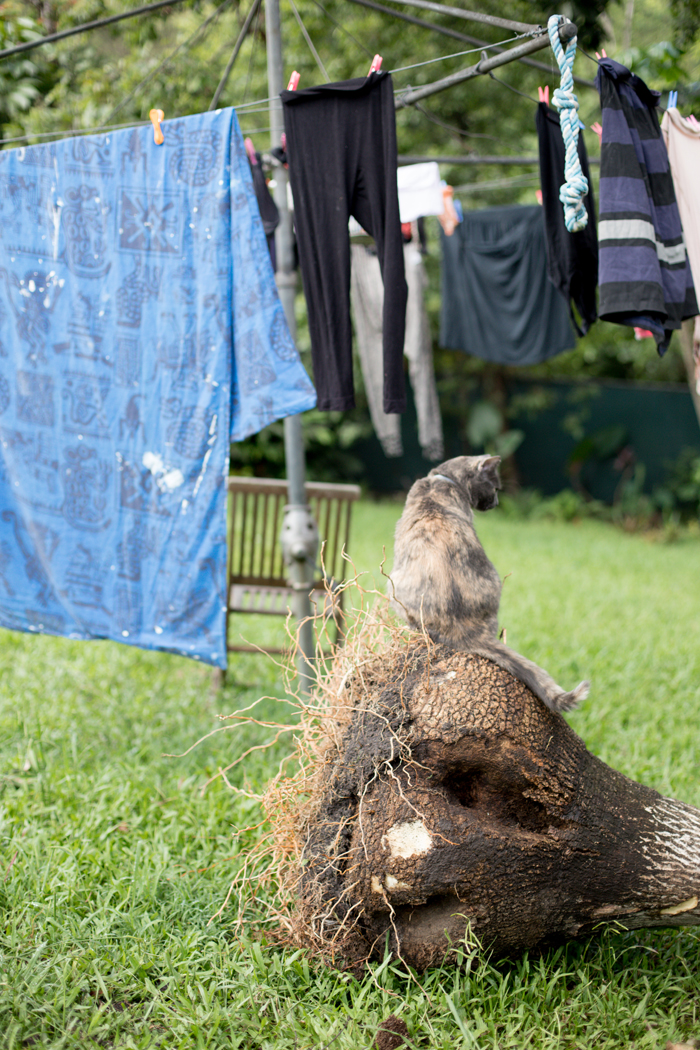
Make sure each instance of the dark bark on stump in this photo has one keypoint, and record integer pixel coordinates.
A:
(459, 799)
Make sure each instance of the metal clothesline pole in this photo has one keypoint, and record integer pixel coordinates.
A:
(406, 98)
(299, 523)
(299, 529)
(86, 27)
(470, 16)
(410, 158)
(456, 35)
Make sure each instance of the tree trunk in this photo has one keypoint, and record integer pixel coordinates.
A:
(457, 800)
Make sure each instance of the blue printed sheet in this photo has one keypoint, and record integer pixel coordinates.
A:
(140, 333)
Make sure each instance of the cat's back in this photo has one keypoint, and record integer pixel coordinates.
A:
(435, 524)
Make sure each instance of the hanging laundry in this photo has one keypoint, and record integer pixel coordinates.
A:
(341, 143)
(140, 333)
(497, 301)
(572, 258)
(367, 296)
(420, 191)
(644, 276)
(682, 138)
(269, 212)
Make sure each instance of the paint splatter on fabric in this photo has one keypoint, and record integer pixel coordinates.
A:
(140, 333)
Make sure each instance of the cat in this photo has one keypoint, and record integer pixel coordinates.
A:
(442, 580)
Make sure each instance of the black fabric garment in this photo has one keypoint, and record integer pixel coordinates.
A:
(572, 258)
(497, 300)
(644, 274)
(268, 209)
(341, 143)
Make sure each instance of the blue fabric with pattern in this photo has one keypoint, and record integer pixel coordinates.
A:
(140, 332)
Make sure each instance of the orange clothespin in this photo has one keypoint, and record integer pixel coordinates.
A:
(543, 93)
(376, 64)
(250, 150)
(293, 81)
(449, 220)
(155, 117)
(598, 130)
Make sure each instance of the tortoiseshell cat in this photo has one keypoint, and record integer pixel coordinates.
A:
(442, 579)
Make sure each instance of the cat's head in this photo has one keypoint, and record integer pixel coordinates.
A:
(476, 476)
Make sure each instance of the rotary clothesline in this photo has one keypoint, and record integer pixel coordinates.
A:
(405, 96)
(475, 16)
(455, 34)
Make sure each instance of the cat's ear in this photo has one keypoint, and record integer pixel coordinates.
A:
(490, 463)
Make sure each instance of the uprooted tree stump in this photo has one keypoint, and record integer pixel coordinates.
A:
(449, 799)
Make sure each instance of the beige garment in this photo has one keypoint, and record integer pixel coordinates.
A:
(683, 144)
(367, 298)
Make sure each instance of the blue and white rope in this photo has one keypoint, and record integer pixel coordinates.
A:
(575, 188)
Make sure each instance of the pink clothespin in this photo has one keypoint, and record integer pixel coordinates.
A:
(155, 117)
(538, 194)
(598, 130)
(601, 55)
(693, 121)
(293, 81)
(250, 150)
(543, 93)
(376, 64)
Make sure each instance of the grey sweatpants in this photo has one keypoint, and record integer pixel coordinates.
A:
(367, 298)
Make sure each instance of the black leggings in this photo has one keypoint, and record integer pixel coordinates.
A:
(341, 143)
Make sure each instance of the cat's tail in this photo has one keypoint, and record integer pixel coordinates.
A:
(527, 672)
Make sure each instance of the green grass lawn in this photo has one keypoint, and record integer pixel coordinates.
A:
(113, 860)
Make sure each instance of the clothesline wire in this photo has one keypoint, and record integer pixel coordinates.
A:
(221, 86)
(154, 72)
(510, 87)
(309, 41)
(579, 48)
(495, 184)
(458, 54)
(251, 57)
(256, 104)
(64, 133)
(451, 127)
(347, 32)
(85, 28)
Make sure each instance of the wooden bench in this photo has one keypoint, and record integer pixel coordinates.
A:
(257, 577)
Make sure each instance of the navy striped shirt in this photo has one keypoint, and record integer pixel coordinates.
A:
(644, 274)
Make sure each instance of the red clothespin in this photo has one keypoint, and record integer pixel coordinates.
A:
(250, 150)
(293, 81)
(376, 65)
(155, 117)
(543, 93)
